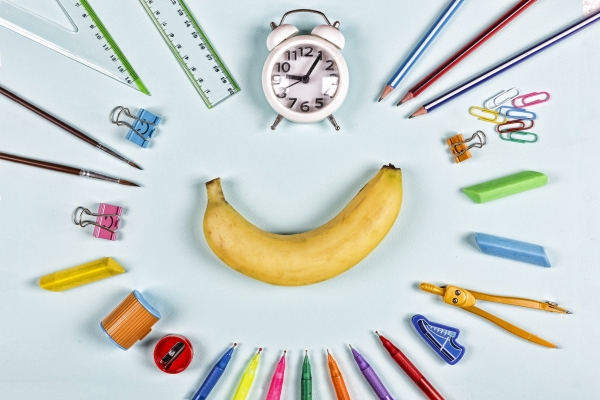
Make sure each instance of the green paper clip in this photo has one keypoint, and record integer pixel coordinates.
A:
(81, 275)
(519, 137)
(505, 186)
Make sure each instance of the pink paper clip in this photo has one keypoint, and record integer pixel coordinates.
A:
(531, 99)
(107, 220)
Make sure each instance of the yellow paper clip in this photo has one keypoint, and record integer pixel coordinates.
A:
(459, 147)
(81, 275)
(487, 115)
(466, 300)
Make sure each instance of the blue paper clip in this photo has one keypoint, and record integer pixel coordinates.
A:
(441, 338)
(143, 126)
(517, 113)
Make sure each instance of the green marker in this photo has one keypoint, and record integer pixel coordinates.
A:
(306, 383)
(505, 186)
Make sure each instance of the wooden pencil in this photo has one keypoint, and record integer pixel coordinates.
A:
(467, 50)
(504, 66)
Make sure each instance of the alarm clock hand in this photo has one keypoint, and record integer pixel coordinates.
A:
(312, 67)
(294, 77)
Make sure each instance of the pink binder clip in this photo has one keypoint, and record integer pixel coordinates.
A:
(107, 220)
(531, 99)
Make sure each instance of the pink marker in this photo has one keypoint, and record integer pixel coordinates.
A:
(277, 381)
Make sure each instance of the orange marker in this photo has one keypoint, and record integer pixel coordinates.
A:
(337, 379)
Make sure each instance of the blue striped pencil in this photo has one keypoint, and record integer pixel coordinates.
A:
(500, 68)
(418, 51)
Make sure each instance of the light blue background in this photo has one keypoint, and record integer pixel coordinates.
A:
(295, 179)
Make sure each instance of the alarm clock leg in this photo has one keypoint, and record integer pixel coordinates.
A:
(333, 122)
(277, 121)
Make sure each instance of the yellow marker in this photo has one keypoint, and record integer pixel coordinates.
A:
(246, 383)
(466, 300)
(81, 275)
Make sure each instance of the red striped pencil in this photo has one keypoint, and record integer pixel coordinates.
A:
(467, 50)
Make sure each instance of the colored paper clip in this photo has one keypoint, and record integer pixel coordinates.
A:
(531, 99)
(441, 338)
(501, 98)
(517, 113)
(485, 114)
(459, 147)
(514, 125)
(519, 137)
(144, 125)
(107, 220)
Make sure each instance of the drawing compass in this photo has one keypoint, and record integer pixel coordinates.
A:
(466, 299)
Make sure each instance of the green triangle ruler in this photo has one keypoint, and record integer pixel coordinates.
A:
(192, 49)
(88, 43)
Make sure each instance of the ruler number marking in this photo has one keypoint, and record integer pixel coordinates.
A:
(210, 57)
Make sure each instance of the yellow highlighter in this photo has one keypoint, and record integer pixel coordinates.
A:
(466, 300)
(81, 275)
(246, 382)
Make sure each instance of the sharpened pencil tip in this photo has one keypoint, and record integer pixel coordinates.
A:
(568, 312)
(135, 165)
(407, 97)
(556, 347)
(387, 90)
(127, 183)
(420, 111)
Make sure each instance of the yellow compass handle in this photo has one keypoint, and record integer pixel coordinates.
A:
(431, 288)
(517, 301)
(515, 330)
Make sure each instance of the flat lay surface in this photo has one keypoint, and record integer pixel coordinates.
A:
(291, 180)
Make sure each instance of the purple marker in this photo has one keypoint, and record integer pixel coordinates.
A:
(371, 376)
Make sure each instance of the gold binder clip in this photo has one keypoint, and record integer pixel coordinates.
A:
(460, 148)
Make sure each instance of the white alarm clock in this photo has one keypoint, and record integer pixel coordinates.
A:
(305, 78)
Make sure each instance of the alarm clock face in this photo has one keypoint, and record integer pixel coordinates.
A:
(305, 78)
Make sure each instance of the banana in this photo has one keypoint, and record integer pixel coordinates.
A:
(309, 257)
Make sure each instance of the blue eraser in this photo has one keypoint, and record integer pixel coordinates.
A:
(512, 249)
(144, 130)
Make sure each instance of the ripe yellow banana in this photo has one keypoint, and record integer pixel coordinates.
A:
(309, 257)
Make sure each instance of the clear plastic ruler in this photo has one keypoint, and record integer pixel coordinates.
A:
(193, 51)
(88, 43)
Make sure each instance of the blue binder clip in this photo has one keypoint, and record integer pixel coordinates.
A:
(440, 338)
(143, 126)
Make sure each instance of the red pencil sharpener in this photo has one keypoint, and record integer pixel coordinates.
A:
(173, 354)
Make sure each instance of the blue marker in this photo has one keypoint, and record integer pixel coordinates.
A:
(418, 51)
(214, 375)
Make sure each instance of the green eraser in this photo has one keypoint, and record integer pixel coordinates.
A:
(505, 186)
